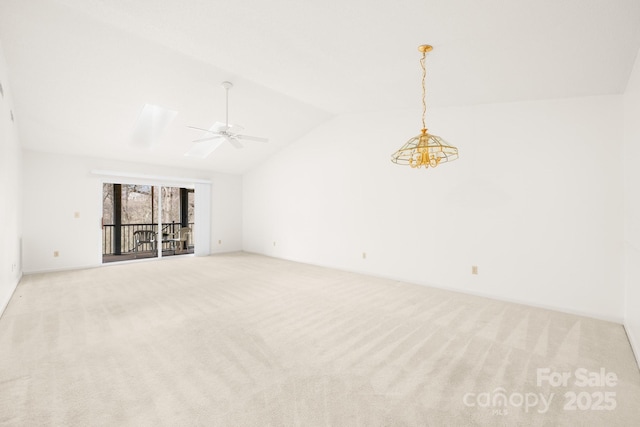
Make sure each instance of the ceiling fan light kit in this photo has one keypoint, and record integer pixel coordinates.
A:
(219, 133)
(424, 150)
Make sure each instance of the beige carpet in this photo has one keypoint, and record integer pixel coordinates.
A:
(246, 340)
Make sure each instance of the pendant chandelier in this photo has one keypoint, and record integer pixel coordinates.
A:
(424, 149)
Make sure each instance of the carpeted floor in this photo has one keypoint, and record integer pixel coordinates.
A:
(245, 340)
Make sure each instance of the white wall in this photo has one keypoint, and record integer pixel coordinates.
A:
(535, 201)
(226, 213)
(58, 186)
(10, 194)
(632, 207)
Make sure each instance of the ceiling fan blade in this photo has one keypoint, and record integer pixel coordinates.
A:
(208, 138)
(252, 138)
(204, 148)
(233, 141)
(215, 128)
(200, 129)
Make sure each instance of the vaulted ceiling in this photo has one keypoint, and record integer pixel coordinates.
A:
(82, 70)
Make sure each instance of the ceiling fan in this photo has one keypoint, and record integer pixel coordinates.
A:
(220, 132)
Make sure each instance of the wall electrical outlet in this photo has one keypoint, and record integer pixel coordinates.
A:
(474, 269)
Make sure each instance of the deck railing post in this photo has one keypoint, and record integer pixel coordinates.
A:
(117, 218)
(184, 207)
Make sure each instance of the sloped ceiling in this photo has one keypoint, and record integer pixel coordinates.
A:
(82, 70)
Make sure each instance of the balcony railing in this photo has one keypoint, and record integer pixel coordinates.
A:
(127, 241)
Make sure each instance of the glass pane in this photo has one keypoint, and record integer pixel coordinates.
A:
(136, 204)
(192, 207)
(192, 218)
(107, 204)
(139, 228)
(134, 236)
(108, 241)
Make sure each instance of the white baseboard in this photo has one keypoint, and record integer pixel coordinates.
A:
(57, 270)
(4, 304)
(635, 346)
(614, 319)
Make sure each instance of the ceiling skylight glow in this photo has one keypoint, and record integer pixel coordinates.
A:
(151, 124)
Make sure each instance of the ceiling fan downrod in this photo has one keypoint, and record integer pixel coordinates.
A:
(227, 86)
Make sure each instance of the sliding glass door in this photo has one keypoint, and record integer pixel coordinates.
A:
(145, 221)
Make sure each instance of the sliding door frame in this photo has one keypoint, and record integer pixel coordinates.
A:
(202, 196)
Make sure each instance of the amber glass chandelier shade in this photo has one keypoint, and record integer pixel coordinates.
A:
(424, 150)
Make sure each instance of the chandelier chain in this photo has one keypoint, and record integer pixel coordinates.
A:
(424, 89)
